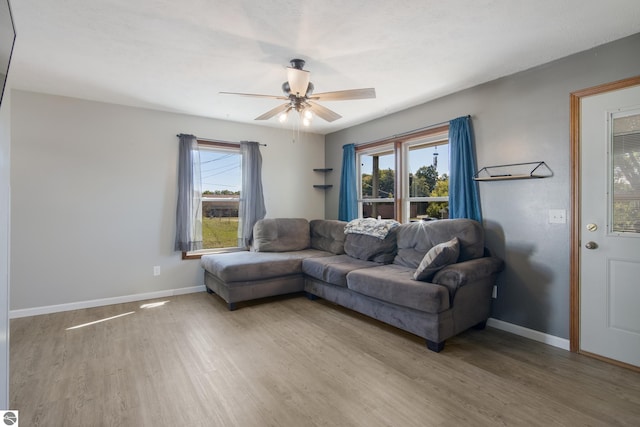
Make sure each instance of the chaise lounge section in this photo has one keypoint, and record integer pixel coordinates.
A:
(273, 265)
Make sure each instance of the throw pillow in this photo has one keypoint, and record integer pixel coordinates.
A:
(438, 257)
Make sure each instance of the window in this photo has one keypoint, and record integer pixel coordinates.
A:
(405, 179)
(426, 172)
(221, 179)
(377, 183)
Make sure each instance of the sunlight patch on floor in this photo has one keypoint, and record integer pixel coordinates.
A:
(154, 304)
(99, 321)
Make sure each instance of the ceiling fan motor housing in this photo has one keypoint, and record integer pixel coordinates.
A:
(296, 63)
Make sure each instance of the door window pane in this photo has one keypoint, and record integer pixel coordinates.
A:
(626, 174)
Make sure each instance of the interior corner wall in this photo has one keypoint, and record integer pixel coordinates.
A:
(5, 220)
(94, 194)
(520, 118)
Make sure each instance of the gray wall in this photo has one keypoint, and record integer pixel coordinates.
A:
(520, 118)
(94, 193)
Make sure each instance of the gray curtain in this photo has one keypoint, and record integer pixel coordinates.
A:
(189, 211)
(252, 206)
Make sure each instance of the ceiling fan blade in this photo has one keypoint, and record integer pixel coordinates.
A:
(298, 81)
(323, 112)
(342, 95)
(274, 112)
(254, 95)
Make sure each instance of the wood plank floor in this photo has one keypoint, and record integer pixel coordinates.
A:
(295, 362)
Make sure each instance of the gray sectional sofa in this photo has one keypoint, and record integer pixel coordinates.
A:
(432, 279)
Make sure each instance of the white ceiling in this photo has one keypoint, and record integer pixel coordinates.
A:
(177, 55)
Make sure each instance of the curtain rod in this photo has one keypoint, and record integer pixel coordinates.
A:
(218, 140)
(409, 132)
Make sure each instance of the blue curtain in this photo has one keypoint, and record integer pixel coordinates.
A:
(252, 206)
(348, 203)
(464, 201)
(189, 210)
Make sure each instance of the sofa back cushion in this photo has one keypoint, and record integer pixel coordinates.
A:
(417, 238)
(281, 235)
(369, 248)
(328, 235)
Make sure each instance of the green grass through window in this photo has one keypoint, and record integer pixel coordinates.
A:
(219, 232)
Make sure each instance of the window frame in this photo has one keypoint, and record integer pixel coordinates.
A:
(211, 144)
(434, 140)
(377, 149)
(400, 144)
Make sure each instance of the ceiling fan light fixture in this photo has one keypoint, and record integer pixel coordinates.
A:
(307, 116)
(298, 81)
(298, 94)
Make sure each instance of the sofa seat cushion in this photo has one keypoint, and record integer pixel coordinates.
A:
(334, 269)
(394, 284)
(246, 266)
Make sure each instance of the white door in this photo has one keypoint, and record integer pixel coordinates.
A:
(610, 225)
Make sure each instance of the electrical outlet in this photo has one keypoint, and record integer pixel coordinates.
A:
(494, 294)
(156, 270)
(557, 216)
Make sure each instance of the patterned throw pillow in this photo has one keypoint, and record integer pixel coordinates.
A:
(438, 257)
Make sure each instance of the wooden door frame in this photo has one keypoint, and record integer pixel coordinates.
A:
(574, 131)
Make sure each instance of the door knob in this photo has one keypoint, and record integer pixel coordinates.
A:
(591, 245)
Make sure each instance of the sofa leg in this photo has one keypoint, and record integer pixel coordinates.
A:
(231, 306)
(480, 326)
(209, 291)
(311, 296)
(435, 346)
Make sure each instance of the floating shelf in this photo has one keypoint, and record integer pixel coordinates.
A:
(527, 170)
(323, 170)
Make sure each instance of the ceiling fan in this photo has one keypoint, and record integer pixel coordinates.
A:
(298, 92)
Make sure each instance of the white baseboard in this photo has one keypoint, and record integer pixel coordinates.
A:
(25, 312)
(529, 333)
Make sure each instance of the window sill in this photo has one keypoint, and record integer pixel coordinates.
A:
(198, 254)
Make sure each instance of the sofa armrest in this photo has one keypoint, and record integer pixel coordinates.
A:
(456, 275)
